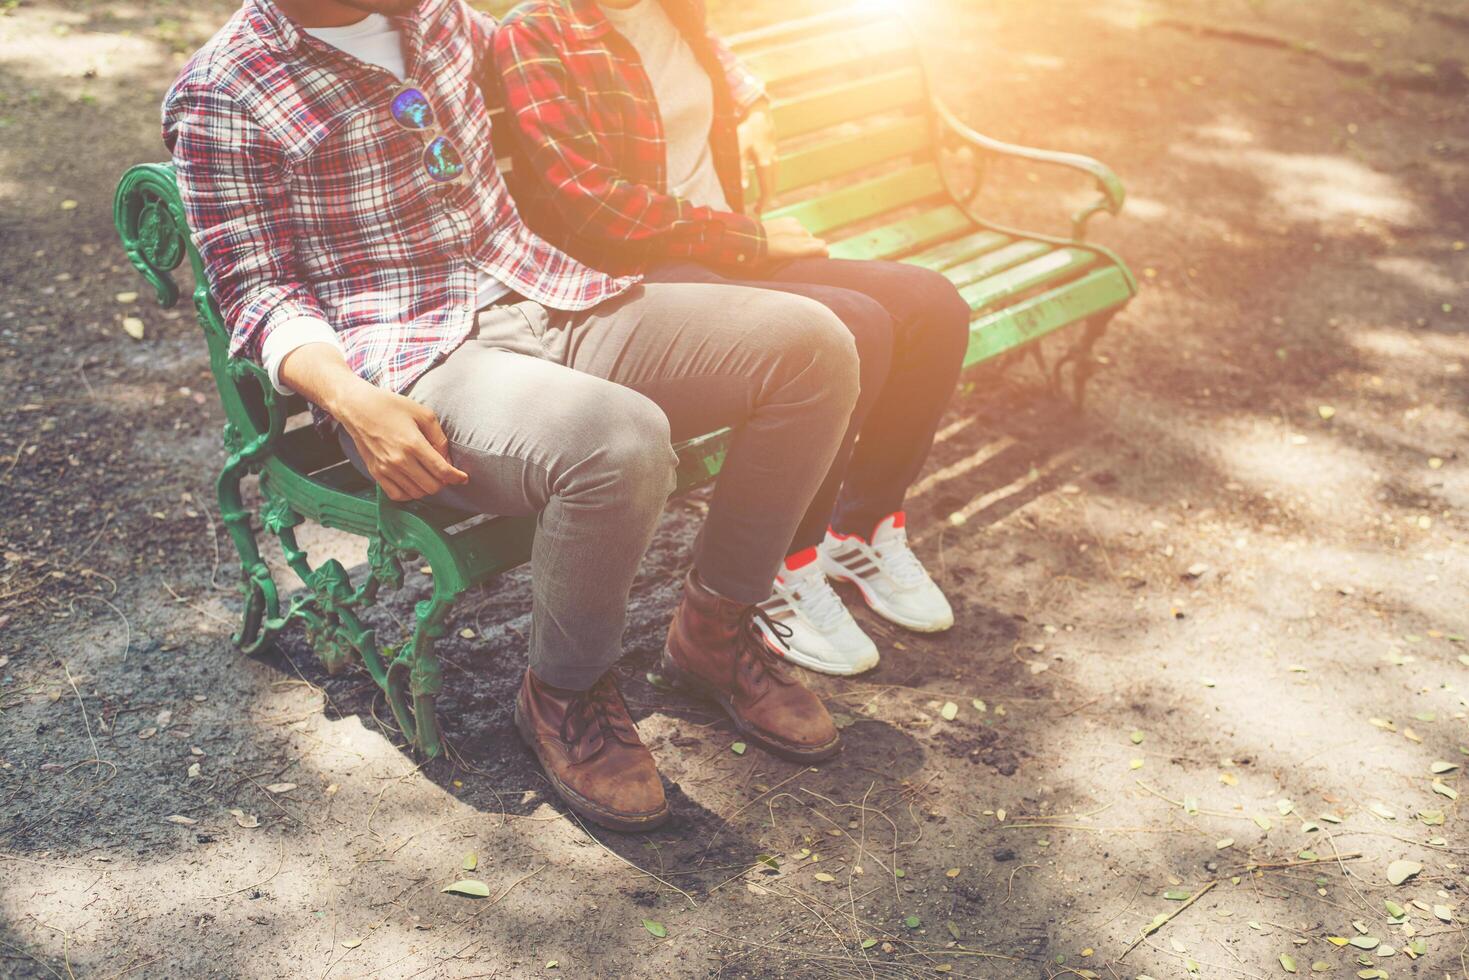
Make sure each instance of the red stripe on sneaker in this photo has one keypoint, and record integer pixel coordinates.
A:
(899, 518)
(801, 559)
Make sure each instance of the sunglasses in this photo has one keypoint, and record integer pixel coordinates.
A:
(412, 110)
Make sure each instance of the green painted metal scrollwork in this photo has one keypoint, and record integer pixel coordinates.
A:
(149, 216)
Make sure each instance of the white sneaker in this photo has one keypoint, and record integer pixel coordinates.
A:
(890, 576)
(811, 625)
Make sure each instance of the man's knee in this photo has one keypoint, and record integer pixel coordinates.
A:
(807, 336)
(626, 441)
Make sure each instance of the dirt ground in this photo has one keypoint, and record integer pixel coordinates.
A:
(1210, 655)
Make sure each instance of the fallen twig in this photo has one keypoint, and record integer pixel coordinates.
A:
(1157, 924)
(662, 881)
(96, 753)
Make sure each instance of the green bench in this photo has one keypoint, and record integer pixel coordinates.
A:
(862, 170)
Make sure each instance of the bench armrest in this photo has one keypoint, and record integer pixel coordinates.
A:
(1113, 193)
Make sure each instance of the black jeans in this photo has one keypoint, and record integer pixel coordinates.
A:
(912, 329)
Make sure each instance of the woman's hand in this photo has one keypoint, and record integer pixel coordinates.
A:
(787, 238)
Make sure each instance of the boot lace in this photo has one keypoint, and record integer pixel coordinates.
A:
(755, 662)
(602, 707)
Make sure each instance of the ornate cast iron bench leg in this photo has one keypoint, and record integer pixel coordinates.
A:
(415, 678)
(261, 600)
(1080, 357)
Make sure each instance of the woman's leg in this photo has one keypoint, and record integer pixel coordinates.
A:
(931, 333)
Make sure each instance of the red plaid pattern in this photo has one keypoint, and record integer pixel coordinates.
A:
(591, 160)
(307, 199)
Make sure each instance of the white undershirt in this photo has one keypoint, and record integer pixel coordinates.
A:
(685, 97)
(374, 41)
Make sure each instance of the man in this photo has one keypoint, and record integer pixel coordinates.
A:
(633, 121)
(335, 162)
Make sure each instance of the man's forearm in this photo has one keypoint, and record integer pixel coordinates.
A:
(319, 373)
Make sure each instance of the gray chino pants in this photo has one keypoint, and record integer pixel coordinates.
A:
(571, 417)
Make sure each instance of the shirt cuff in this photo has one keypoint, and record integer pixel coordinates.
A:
(288, 335)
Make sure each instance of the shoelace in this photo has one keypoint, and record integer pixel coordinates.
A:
(817, 599)
(602, 706)
(899, 561)
(756, 660)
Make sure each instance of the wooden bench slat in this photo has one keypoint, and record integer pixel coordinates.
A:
(851, 51)
(494, 546)
(866, 200)
(862, 99)
(833, 158)
(792, 30)
(898, 238)
(951, 253)
(995, 261)
(995, 333)
(1051, 267)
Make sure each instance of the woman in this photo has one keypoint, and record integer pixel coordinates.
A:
(631, 124)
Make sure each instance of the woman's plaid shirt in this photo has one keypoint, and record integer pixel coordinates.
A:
(306, 199)
(590, 156)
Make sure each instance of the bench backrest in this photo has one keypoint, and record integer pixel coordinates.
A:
(852, 110)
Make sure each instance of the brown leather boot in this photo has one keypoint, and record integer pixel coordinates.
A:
(715, 650)
(590, 750)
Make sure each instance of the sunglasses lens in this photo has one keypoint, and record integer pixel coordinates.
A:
(442, 159)
(412, 109)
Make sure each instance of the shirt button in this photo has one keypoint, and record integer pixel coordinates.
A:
(740, 257)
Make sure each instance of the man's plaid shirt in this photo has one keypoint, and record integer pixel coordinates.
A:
(591, 160)
(306, 199)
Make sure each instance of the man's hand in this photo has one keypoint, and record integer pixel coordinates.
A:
(786, 238)
(758, 148)
(400, 441)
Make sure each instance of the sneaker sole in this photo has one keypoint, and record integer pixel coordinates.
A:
(676, 675)
(602, 817)
(878, 606)
(818, 665)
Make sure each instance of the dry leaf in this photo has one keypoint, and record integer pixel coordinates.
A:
(1400, 871)
(468, 886)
